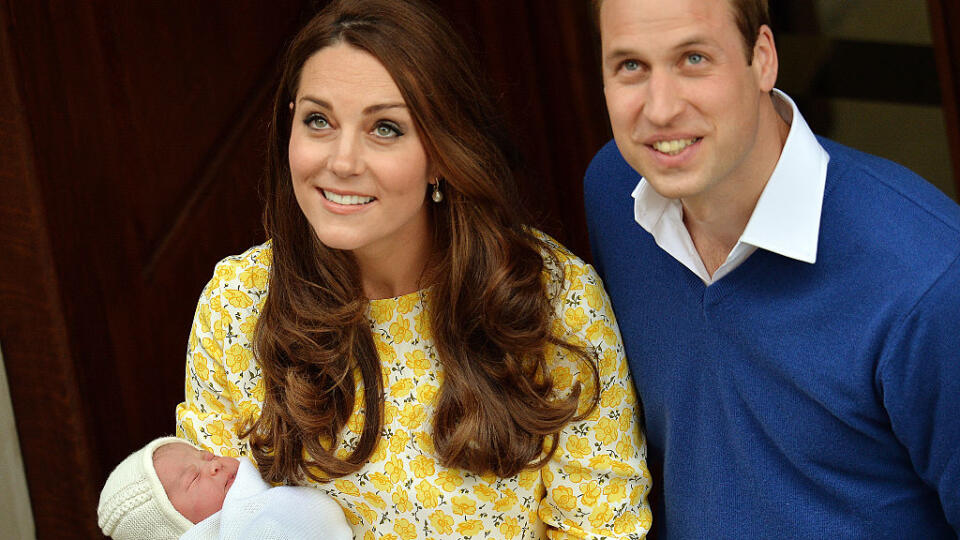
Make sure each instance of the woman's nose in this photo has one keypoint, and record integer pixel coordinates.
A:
(345, 160)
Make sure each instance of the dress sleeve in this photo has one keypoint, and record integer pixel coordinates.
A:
(919, 378)
(223, 386)
(597, 482)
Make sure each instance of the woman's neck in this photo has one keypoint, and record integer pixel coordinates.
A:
(395, 269)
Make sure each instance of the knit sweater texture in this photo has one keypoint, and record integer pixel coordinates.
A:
(796, 400)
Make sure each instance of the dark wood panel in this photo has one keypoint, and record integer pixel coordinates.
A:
(49, 411)
(205, 60)
(870, 71)
(127, 111)
(132, 146)
(543, 62)
(945, 28)
(224, 220)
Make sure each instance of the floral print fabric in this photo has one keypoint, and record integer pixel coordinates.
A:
(595, 485)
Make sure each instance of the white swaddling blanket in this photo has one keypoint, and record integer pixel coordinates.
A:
(253, 510)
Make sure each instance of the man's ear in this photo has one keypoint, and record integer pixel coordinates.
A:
(765, 63)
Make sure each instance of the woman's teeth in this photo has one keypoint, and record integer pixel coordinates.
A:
(346, 199)
(673, 147)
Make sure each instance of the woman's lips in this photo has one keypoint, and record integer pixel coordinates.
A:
(345, 203)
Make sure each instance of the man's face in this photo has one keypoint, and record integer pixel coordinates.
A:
(684, 104)
(196, 481)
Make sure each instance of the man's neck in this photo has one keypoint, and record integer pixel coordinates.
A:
(715, 230)
(716, 219)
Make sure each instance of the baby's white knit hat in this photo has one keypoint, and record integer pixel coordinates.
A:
(133, 504)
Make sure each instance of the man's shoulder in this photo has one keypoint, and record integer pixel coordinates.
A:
(608, 165)
(607, 187)
(893, 192)
(882, 216)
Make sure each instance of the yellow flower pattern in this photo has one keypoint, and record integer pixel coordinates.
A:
(595, 486)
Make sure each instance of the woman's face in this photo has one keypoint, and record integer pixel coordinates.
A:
(358, 167)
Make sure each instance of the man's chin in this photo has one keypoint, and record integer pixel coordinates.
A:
(674, 186)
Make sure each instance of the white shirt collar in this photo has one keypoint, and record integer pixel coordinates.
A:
(786, 219)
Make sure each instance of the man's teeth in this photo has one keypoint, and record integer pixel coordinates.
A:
(673, 147)
(346, 199)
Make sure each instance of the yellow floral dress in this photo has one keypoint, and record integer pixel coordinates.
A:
(595, 485)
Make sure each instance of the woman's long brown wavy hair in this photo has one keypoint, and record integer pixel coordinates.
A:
(490, 312)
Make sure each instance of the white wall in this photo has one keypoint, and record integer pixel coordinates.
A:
(15, 514)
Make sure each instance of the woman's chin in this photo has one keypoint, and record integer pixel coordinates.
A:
(340, 241)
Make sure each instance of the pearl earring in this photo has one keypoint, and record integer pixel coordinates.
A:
(436, 196)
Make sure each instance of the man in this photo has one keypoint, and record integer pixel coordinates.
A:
(790, 306)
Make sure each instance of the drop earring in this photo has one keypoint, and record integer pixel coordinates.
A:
(436, 196)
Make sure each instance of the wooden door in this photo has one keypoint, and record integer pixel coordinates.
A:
(131, 147)
(132, 142)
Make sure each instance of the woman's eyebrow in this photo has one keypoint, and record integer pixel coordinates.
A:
(383, 106)
(317, 101)
(371, 109)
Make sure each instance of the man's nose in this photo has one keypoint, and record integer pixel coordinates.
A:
(664, 102)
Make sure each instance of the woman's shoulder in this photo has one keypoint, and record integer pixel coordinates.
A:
(248, 272)
(563, 270)
(260, 255)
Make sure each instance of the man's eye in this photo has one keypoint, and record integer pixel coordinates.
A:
(695, 58)
(631, 65)
(316, 121)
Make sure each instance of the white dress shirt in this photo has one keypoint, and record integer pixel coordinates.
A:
(786, 219)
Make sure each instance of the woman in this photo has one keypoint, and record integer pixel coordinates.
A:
(438, 368)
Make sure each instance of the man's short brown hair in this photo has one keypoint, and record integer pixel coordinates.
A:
(749, 15)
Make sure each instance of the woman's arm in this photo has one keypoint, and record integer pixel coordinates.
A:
(597, 482)
(223, 385)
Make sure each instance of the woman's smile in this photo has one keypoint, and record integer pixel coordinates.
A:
(346, 198)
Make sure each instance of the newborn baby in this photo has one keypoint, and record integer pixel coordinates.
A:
(195, 481)
(171, 489)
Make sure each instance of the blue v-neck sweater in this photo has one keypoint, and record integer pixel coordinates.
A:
(796, 400)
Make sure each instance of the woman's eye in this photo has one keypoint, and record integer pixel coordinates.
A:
(387, 130)
(316, 121)
(695, 58)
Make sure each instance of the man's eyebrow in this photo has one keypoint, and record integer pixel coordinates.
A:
(696, 41)
(619, 53)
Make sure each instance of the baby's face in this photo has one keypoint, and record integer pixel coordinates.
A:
(195, 481)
